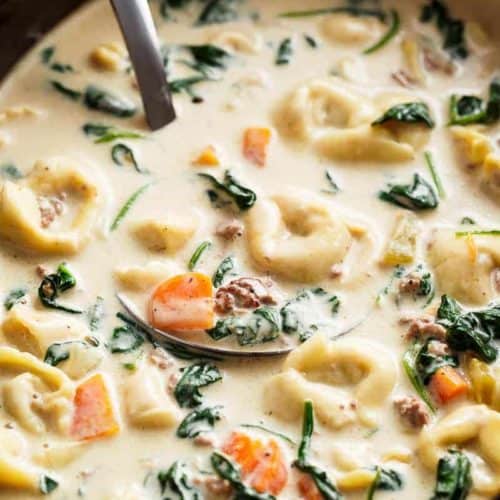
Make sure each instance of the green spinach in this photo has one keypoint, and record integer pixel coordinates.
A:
(193, 377)
(323, 483)
(108, 133)
(218, 11)
(409, 112)
(10, 171)
(209, 56)
(53, 285)
(199, 421)
(47, 485)
(419, 195)
(175, 481)
(388, 35)
(121, 154)
(334, 187)
(186, 85)
(13, 297)
(127, 206)
(311, 41)
(125, 338)
(453, 477)
(231, 472)
(285, 52)
(46, 54)
(99, 99)
(200, 250)
(428, 363)
(95, 314)
(227, 265)
(73, 94)
(230, 189)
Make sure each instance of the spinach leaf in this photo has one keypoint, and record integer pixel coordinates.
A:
(434, 173)
(198, 421)
(47, 485)
(61, 68)
(453, 477)
(473, 331)
(428, 363)
(262, 325)
(13, 297)
(73, 94)
(57, 352)
(388, 35)
(231, 472)
(310, 41)
(419, 195)
(102, 100)
(409, 112)
(209, 55)
(224, 267)
(493, 106)
(243, 197)
(452, 30)
(127, 206)
(200, 250)
(334, 187)
(353, 10)
(218, 11)
(175, 481)
(468, 221)
(108, 133)
(186, 85)
(121, 154)
(46, 54)
(193, 377)
(53, 285)
(95, 314)
(389, 480)
(325, 486)
(410, 365)
(285, 52)
(10, 171)
(126, 338)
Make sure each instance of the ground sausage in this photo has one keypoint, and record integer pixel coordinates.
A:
(230, 230)
(421, 327)
(412, 411)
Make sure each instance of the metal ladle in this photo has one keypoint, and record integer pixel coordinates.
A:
(136, 24)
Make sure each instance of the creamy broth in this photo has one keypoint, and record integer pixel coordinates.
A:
(254, 91)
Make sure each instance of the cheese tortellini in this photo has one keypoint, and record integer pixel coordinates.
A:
(21, 217)
(147, 403)
(474, 256)
(141, 278)
(350, 30)
(336, 119)
(347, 380)
(296, 235)
(54, 389)
(34, 331)
(476, 424)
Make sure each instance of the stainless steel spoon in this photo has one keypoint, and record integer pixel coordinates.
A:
(136, 24)
(195, 347)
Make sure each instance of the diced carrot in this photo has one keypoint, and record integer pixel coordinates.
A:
(307, 489)
(255, 143)
(93, 416)
(207, 158)
(183, 303)
(447, 384)
(263, 465)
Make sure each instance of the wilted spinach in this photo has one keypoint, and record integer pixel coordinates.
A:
(10, 171)
(102, 100)
(419, 195)
(108, 133)
(125, 338)
(386, 480)
(53, 285)
(231, 472)
(427, 363)
(121, 154)
(186, 85)
(209, 56)
(231, 190)
(227, 265)
(175, 481)
(409, 112)
(323, 483)
(73, 94)
(95, 314)
(474, 331)
(13, 297)
(285, 52)
(198, 421)
(199, 251)
(452, 30)
(193, 377)
(453, 477)
(47, 485)
(218, 11)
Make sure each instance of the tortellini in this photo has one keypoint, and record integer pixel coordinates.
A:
(350, 30)
(347, 380)
(474, 256)
(296, 235)
(56, 391)
(146, 400)
(167, 235)
(235, 41)
(34, 331)
(142, 278)
(336, 119)
(21, 220)
(475, 424)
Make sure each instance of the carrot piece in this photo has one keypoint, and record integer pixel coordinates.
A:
(93, 416)
(255, 143)
(307, 489)
(207, 158)
(447, 384)
(183, 303)
(262, 464)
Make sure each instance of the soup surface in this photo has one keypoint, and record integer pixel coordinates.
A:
(331, 184)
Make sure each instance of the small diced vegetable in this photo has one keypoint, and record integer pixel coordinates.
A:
(255, 143)
(183, 303)
(207, 158)
(401, 248)
(485, 383)
(94, 415)
(447, 384)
